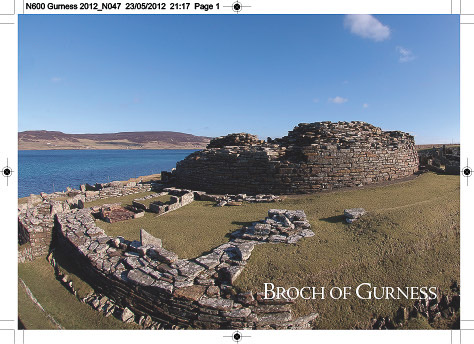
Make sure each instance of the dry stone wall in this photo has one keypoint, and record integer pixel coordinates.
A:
(152, 281)
(312, 157)
(36, 217)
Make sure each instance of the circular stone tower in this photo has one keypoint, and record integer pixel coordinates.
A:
(312, 157)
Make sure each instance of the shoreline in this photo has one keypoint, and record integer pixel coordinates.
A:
(102, 149)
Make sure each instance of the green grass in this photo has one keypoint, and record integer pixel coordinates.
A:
(164, 199)
(31, 316)
(409, 238)
(64, 307)
(125, 200)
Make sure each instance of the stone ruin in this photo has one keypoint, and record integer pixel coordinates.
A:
(442, 160)
(146, 283)
(112, 213)
(312, 157)
(147, 280)
(36, 217)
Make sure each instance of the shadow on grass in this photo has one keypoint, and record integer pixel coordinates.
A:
(334, 219)
(21, 326)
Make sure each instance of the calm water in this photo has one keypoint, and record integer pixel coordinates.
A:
(54, 170)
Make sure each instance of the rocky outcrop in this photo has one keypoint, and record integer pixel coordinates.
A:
(312, 157)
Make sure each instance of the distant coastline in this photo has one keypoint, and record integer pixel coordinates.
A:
(56, 140)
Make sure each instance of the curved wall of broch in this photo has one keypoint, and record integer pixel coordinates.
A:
(312, 157)
(152, 281)
(198, 293)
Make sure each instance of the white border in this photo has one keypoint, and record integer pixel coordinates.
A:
(8, 196)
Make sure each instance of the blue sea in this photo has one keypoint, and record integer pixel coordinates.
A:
(54, 170)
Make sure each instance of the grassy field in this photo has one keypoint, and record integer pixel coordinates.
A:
(410, 238)
(64, 307)
(163, 199)
(125, 200)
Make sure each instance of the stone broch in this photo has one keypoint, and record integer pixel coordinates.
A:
(312, 157)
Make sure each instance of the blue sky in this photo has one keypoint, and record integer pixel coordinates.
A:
(216, 74)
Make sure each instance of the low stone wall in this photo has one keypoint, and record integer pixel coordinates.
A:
(116, 191)
(36, 217)
(35, 226)
(138, 202)
(151, 281)
(179, 198)
(313, 157)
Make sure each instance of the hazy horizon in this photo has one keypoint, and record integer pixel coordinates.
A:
(263, 74)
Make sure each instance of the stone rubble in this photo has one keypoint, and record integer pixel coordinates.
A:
(147, 280)
(36, 216)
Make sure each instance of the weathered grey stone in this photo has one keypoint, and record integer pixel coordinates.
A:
(221, 203)
(140, 277)
(190, 269)
(237, 313)
(216, 303)
(192, 293)
(244, 250)
(148, 239)
(306, 233)
(354, 213)
(277, 239)
(127, 316)
(162, 255)
(210, 260)
(163, 286)
(273, 318)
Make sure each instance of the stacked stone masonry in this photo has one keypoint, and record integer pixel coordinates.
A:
(36, 217)
(152, 281)
(312, 157)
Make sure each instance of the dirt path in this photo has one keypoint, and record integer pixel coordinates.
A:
(408, 205)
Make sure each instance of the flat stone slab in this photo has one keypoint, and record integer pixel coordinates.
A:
(209, 261)
(148, 239)
(190, 269)
(162, 255)
(193, 293)
(354, 213)
(216, 303)
(139, 277)
(163, 286)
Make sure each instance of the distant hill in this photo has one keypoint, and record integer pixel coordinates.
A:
(43, 139)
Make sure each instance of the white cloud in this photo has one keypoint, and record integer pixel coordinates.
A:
(345, 82)
(338, 100)
(367, 26)
(405, 55)
(316, 100)
(56, 79)
(365, 106)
